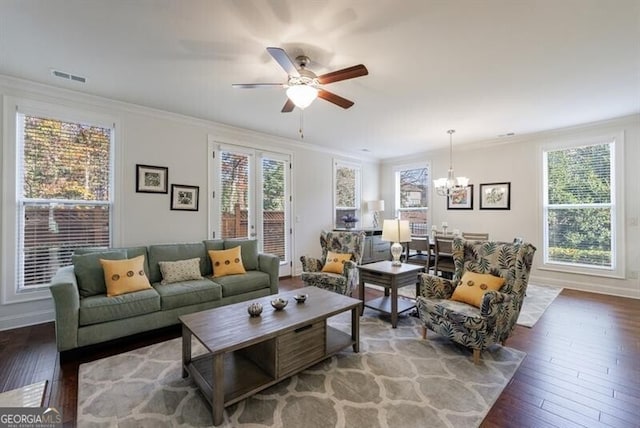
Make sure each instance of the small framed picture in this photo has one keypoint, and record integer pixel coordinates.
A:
(462, 200)
(184, 197)
(152, 179)
(495, 196)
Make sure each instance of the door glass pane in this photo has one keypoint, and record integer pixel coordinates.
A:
(234, 179)
(273, 206)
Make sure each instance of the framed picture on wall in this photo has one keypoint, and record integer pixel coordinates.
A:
(462, 200)
(152, 179)
(495, 196)
(184, 197)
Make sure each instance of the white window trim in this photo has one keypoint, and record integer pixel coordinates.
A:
(10, 222)
(619, 266)
(358, 208)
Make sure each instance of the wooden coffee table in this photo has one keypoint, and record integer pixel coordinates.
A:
(391, 278)
(246, 355)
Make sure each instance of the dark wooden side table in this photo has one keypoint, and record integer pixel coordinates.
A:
(391, 278)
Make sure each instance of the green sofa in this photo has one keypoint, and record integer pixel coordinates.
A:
(84, 315)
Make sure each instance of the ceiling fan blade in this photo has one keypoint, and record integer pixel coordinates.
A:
(256, 85)
(344, 74)
(335, 99)
(288, 106)
(285, 62)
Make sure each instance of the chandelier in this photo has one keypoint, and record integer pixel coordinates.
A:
(450, 185)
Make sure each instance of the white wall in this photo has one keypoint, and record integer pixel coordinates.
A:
(153, 137)
(518, 160)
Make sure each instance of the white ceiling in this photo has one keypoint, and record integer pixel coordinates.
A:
(484, 68)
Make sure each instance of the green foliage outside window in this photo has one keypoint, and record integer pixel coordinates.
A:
(579, 214)
(65, 160)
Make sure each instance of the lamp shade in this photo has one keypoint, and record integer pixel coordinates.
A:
(375, 205)
(302, 95)
(396, 230)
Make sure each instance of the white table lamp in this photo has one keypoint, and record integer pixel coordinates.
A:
(376, 207)
(396, 231)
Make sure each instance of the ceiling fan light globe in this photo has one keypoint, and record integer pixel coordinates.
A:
(302, 95)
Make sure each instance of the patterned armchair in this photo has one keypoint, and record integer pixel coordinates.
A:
(338, 242)
(493, 322)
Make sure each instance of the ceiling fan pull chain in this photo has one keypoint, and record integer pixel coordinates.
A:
(301, 125)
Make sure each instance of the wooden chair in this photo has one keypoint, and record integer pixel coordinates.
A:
(444, 256)
(419, 252)
(475, 236)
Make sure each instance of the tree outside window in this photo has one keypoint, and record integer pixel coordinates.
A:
(580, 206)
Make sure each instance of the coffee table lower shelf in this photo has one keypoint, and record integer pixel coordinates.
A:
(243, 376)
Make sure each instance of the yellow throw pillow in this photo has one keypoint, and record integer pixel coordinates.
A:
(124, 276)
(227, 262)
(473, 286)
(335, 262)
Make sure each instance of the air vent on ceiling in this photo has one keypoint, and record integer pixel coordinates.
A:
(68, 76)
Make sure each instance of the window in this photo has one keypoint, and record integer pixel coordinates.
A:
(582, 228)
(63, 193)
(346, 179)
(412, 197)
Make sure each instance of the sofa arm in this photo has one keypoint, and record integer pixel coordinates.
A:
(270, 264)
(66, 299)
(435, 287)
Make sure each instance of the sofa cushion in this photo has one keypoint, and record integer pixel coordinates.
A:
(89, 272)
(98, 309)
(181, 270)
(212, 244)
(172, 253)
(473, 286)
(335, 262)
(249, 251)
(187, 293)
(227, 262)
(130, 251)
(125, 276)
(234, 285)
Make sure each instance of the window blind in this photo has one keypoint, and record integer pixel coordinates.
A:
(580, 207)
(64, 197)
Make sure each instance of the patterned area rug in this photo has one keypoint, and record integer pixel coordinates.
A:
(536, 301)
(397, 379)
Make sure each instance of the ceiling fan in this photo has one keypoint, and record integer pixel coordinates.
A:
(303, 85)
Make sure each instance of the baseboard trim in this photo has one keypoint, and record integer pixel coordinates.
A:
(25, 320)
(632, 292)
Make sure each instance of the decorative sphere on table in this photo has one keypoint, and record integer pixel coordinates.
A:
(255, 309)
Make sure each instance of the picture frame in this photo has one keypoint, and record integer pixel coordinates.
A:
(152, 179)
(184, 197)
(495, 196)
(462, 200)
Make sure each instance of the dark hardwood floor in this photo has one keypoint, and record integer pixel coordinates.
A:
(582, 367)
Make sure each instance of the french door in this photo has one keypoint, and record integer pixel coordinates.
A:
(251, 198)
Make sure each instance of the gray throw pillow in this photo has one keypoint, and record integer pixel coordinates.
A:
(249, 251)
(89, 271)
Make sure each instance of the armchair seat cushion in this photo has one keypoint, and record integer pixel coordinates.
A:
(454, 312)
(325, 280)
